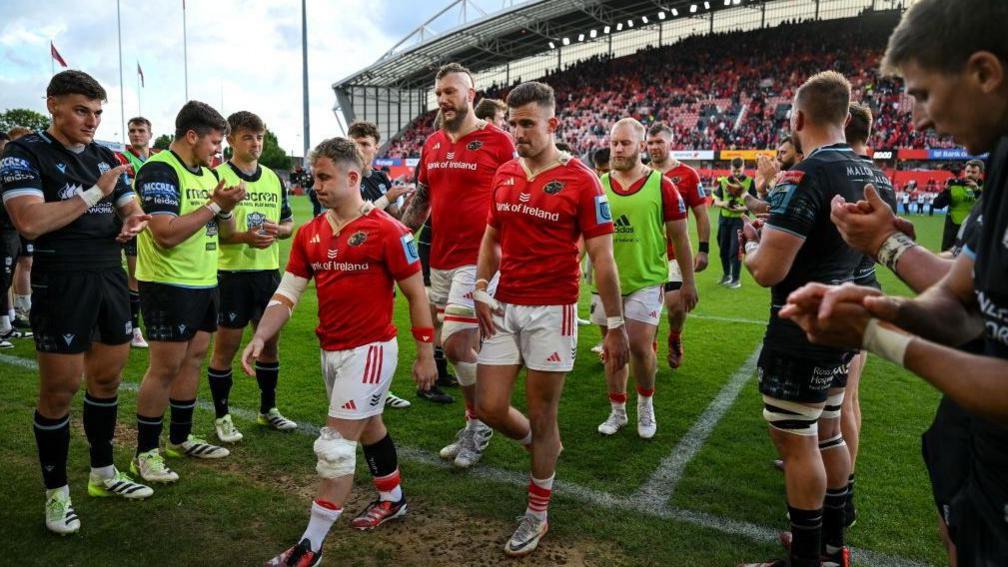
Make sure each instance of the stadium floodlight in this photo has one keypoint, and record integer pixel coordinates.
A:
(629, 23)
(644, 19)
(580, 37)
(661, 15)
(736, 2)
(727, 2)
(692, 9)
(552, 45)
(606, 29)
(592, 34)
(619, 26)
(706, 5)
(566, 41)
(675, 12)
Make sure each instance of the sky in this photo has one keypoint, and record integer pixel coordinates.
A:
(243, 55)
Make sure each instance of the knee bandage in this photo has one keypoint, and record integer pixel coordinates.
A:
(833, 405)
(834, 442)
(466, 372)
(791, 417)
(337, 457)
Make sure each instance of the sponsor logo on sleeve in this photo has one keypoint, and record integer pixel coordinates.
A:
(602, 213)
(409, 248)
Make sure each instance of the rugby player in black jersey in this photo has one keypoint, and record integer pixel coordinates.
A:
(797, 379)
(954, 60)
(65, 192)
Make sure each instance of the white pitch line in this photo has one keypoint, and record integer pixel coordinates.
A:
(664, 480)
(574, 491)
(727, 319)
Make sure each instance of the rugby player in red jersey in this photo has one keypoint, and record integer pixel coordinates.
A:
(457, 165)
(544, 203)
(687, 181)
(353, 250)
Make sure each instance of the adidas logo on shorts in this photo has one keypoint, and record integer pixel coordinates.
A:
(555, 357)
(349, 405)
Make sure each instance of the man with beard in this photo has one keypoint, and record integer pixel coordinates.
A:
(456, 168)
(960, 195)
(687, 183)
(649, 217)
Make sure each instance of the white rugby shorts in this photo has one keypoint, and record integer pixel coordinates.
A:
(644, 305)
(357, 380)
(542, 337)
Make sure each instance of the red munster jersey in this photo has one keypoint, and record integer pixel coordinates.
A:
(458, 176)
(354, 272)
(539, 221)
(687, 181)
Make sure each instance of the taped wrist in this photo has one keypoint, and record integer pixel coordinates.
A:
(92, 196)
(482, 296)
(889, 343)
(893, 249)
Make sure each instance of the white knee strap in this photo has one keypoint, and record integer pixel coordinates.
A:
(466, 372)
(791, 417)
(834, 405)
(337, 457)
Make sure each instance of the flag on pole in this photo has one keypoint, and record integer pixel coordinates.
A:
(56, 55)
(140, 72)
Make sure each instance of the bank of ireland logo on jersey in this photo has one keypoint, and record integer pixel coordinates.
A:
(409, 248)
(602, 213)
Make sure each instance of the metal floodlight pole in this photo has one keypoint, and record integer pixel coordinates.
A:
(304, 73)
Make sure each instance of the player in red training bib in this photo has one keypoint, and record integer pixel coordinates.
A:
(457, 165)
(544, 203)
(687, 182)
(352, 251)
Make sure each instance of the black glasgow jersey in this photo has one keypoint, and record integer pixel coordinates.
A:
(865, 273)
(37, 164)
(375, 185)
(988, 246)
(800, 205)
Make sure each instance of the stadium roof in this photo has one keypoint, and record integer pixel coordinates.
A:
(521, 28)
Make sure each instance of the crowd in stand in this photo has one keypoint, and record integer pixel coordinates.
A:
(715, 90)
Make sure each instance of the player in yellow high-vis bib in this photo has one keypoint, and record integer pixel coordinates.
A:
(177, 271)
(248, 273)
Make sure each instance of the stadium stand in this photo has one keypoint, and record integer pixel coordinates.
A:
(717, 93)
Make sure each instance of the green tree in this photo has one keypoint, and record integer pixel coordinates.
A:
(273, 156)
(23, 117)
(162, 142)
